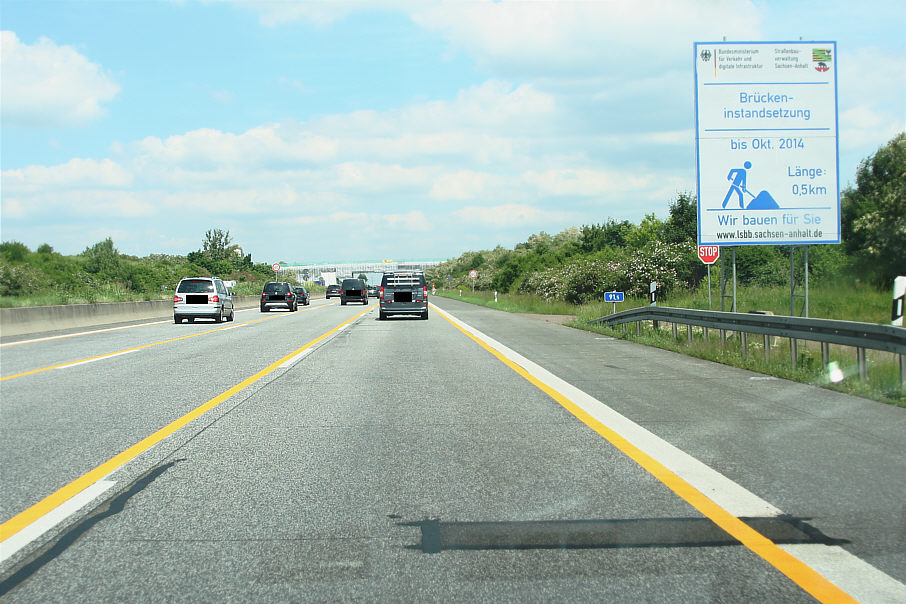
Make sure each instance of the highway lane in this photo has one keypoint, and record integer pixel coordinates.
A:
(60, 423)
(322, 482)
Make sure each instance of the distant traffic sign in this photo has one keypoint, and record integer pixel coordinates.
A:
(276, 267)
(613, 296)
(709, 253)
(473, 274)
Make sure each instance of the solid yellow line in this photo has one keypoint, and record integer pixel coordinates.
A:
(104, 356)
(55, 499)
(799, 572)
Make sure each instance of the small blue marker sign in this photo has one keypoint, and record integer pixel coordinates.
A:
(613, 296)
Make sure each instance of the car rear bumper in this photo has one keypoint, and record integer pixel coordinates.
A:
(404, 308)
(198, 310)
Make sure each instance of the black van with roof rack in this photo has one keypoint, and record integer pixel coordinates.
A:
(403, 293)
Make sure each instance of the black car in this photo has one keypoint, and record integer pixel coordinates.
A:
(374, 291)
(333, 291)
(301, 295)
(278, 294)
(353, 290)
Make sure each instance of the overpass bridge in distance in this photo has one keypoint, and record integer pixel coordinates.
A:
(352, 269)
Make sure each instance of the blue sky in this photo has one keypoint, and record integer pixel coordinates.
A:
(359, 130)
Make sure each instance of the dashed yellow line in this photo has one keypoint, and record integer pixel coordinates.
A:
(57, 498)
(133, 349)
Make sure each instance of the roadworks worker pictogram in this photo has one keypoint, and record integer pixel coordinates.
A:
(762, 201)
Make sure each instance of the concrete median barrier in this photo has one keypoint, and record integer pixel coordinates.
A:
(37, 319)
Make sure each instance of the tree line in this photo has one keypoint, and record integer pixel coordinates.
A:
(580, 263)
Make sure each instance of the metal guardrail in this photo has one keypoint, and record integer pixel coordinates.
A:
(860, 336)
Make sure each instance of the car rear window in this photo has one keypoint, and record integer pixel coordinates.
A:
(275, 288)
(195, 286)
(353, 284)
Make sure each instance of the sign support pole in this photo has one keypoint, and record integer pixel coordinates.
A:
(709, 287)
(793, 294)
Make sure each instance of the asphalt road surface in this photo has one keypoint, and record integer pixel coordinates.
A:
(324, 455)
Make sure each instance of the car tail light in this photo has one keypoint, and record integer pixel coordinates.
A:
(263, 295)
(425, 288)
(213, 299)
(177, 298)
(382, 292)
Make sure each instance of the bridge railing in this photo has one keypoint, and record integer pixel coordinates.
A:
(860, 336)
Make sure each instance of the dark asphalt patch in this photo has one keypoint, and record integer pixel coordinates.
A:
(438, 536)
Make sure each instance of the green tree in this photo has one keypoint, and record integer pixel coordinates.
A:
(218, 245)
(874, 213)
(651, 229)
(596, 237)
(682, 225)
(102, 258)
(14, 251)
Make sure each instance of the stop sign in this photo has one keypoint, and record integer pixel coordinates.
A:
(709, 253)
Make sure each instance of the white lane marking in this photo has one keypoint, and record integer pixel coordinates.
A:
(82, 333)
(296, 358)
(293, 360)
(235, 327)
(101, 358)
(847, 571)
(720, 489)
(88, 333)
(37, 528)
(850, 573)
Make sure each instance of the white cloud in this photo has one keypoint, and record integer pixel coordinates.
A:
(272, 13)
(563, 39)
(867, 121)
(97, 204)
(465, 184)
(510, 215)
(49, 85)
(272, 145)
(585, 182)
(75, 174)
(365, 223)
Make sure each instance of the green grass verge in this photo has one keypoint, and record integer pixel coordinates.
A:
(854, 303)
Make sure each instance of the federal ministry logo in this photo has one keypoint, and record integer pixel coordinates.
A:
(705, 55)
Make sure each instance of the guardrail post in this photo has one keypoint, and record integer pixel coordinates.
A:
(902, 372)
(744, 341)
(623, 325)
(675, 337)
(794, 351)
(767, 348)
(638, 328)
(689, 335)
(863, 366)
(825, 353)
(705, 335)
(723, 338)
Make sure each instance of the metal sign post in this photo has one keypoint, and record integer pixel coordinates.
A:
(723, 282)
(793, 294)
(613, 297)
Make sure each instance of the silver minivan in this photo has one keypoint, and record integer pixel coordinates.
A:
(203, 297)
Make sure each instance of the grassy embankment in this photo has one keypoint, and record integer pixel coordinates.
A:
(852, 303)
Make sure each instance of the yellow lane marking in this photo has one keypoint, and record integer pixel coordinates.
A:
(55, 499)
(799, 572)
(133, 349)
